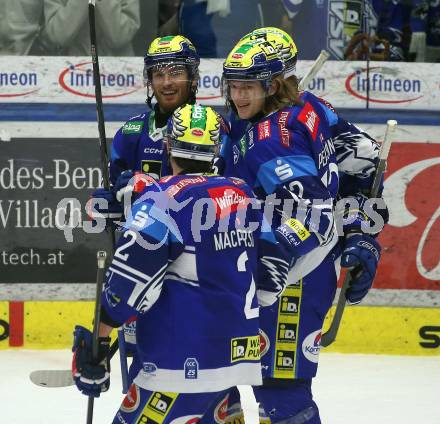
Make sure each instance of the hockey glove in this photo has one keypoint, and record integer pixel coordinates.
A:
(90, 377)
(362, 253)
(122, 185)
(103, 205)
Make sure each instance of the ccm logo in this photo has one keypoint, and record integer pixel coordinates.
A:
(431, 333)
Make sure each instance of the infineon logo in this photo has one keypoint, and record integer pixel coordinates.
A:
(15, 84)
(78, 80)
(386, 86)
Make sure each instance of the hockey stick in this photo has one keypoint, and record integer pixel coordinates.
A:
(101, 257)
(61, 378)
(330, 335)
(315, 68)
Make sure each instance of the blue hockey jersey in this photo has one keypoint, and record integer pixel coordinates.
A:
(138, 146)
(189, 265)
(290, 155)
(356, 151)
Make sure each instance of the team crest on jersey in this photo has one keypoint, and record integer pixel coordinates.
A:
(133, 127)
(264, 130)
(310, 119)
(131, 400)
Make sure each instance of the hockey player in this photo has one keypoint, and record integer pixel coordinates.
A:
(171, 76)
(271, 159)
(197, 328)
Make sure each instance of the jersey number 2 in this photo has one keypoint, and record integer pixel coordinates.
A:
(249, 312)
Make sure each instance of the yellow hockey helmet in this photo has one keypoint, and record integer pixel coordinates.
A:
(193, 132)
(284, 43)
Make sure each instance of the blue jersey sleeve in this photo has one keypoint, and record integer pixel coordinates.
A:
(135, 276)
(292, 163)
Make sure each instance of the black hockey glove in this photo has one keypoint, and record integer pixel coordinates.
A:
(90, 377)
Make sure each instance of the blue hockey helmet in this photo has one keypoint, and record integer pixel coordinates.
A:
(171, 50)
(253, 61)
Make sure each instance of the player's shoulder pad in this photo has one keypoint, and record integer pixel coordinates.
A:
(311, 118)
(330, 112)
(134, 125)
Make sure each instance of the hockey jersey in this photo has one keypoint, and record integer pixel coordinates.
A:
(138, 146)
(289, 155)
(189, 265)
(356, 151)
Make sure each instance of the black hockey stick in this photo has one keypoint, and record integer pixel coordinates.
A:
(61, 378)
(101, 257)
(102, 137)
(330, 335)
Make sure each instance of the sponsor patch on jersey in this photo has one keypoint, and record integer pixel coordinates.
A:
(191, 368)
(289, 305)
(157, 408)
(221, 410)
(197, 132)
(133, 127)
(311, 346)
(228, 200)
(310, 119)
(284, 133)
(264, 343)
(286, 332)
(185, 182)
(284, 360)
(245, 349)
(264, 130)
(152, 168)
(149, 368)
(298, 228)
(131, 400)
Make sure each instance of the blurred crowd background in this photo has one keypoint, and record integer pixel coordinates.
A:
(390, 30)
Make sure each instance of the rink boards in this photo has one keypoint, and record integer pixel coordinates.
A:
(364, 329)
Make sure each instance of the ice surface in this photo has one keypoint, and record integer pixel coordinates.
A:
(349, 389)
